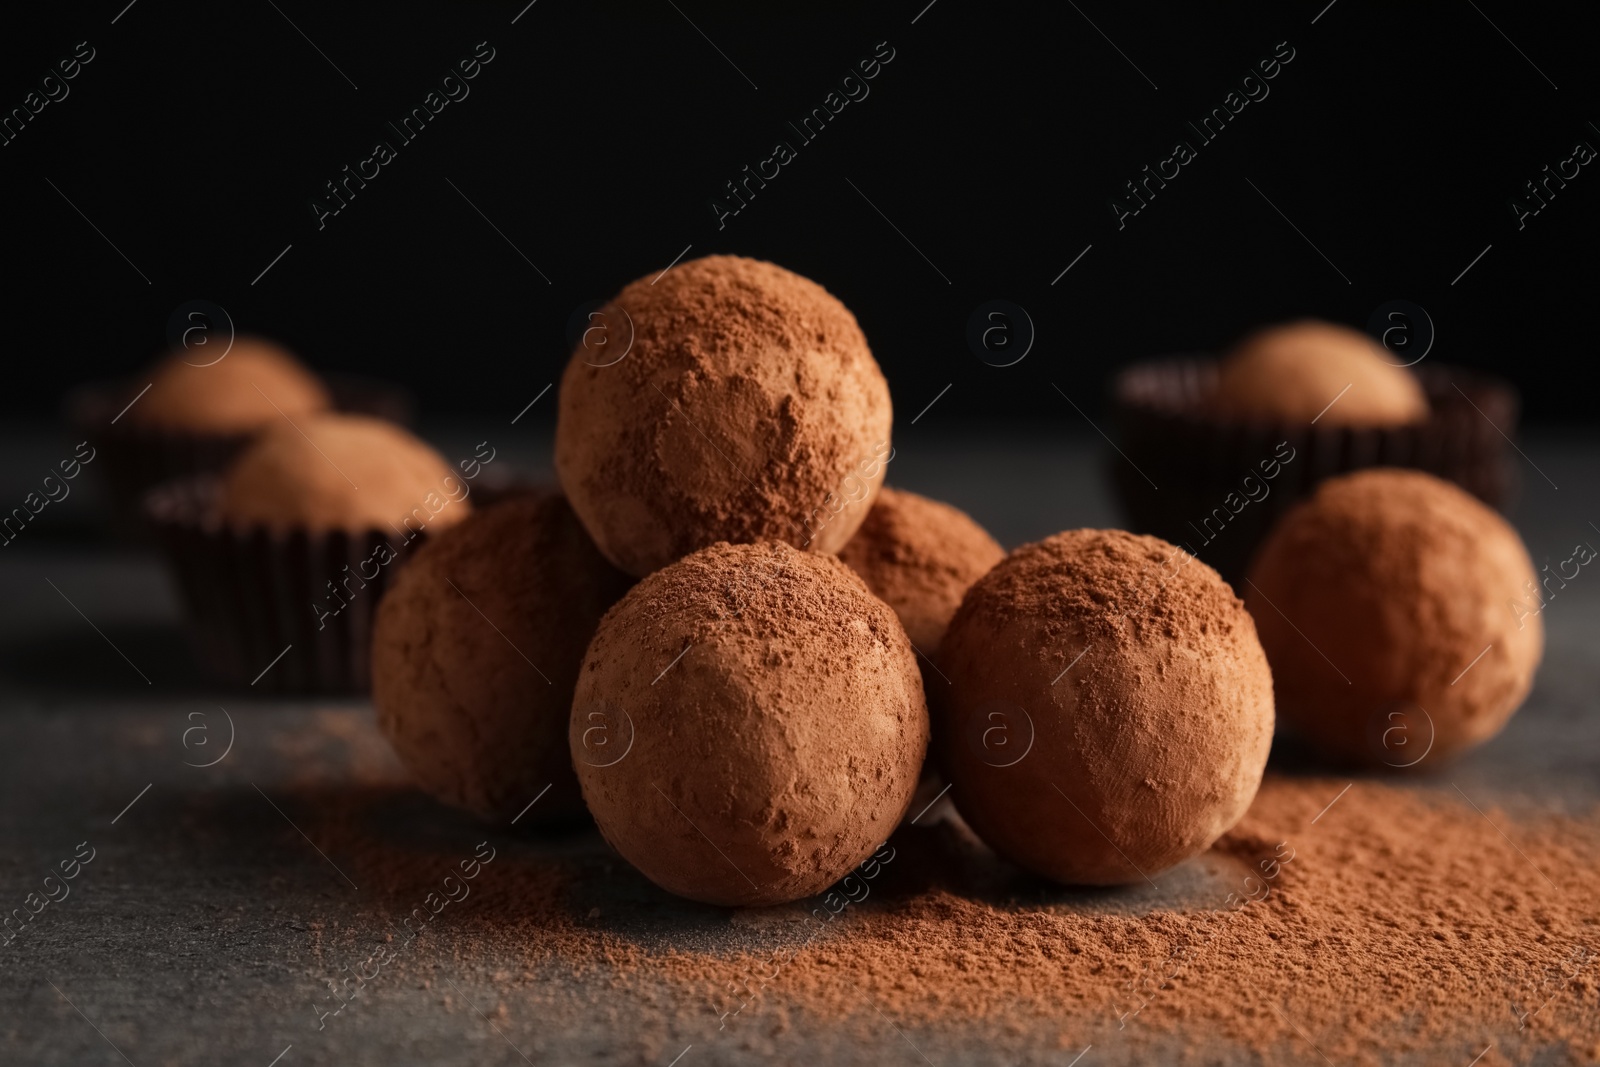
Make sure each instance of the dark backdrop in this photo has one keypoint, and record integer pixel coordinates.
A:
(1381, 163)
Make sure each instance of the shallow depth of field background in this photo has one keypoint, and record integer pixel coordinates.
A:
(1381, 162)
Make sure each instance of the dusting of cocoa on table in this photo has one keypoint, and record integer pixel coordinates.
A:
(1405, 928)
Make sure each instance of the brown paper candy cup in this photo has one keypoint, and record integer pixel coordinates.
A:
(263, 605)
(133, 458)
(1182, 475)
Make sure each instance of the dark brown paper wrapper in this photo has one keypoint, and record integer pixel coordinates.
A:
(132, 458)
(250, 593)
(1192, 462)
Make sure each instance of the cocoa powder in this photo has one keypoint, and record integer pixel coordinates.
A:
(1399, 925)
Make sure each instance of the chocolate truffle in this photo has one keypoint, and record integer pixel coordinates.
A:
(748, 408)
(919, 556)
(1292, 373)
(1400, 615)
(343, 471)
(1110, 708)
(254, 385)
(475, 652)
(749, 724)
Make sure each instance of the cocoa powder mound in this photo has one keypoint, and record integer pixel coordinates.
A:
(1371, 925)
(747, 408)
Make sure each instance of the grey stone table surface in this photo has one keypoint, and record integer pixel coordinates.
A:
(194, 934)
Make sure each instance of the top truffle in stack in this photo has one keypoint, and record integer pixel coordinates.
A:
(1315, 371)
(747, 407)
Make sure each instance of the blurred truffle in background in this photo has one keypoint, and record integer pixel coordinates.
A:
(192, 412)
(1211, 452)
(286, 556)
(347, 472)
(254, 384)
(1310, 371)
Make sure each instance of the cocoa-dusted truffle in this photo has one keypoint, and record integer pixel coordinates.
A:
(475, 652)
(749, 724)
(1110, 708)
(1292, 373)
(343, 471)
(254, 385)
(748, 408)
(919, 556)
(1400, 615)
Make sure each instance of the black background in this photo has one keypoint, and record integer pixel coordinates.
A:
(598, 135)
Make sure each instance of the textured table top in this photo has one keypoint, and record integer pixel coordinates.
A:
(208, 920)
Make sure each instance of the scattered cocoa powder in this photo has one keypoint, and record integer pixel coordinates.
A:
(1399, 925)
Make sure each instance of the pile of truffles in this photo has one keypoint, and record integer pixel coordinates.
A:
(734, 648)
